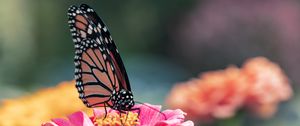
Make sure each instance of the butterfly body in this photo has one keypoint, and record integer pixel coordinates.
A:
(101, 79)
(122, 100)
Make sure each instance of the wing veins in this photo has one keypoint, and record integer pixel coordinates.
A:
(97, 95)
(98, 58)
(91, 66)
(105, 71)
(99, 83)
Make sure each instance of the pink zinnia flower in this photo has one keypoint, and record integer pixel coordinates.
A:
(150, 115)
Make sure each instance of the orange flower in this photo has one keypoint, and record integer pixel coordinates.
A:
(268, 86)
(216, 94)
(260, 85)
(40, 106)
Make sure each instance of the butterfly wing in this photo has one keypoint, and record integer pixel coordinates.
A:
(109, 42)
(94, 72)
(97, 72)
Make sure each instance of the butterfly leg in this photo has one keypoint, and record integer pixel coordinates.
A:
(120, 114)
(105, 111)
(136, 109)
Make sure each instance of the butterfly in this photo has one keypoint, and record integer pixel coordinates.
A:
(101, 78)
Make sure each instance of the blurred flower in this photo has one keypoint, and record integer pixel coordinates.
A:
(261, 27)
(217, 94)
(260, 85)
(42, 105)
(268, 86)
(150, 115)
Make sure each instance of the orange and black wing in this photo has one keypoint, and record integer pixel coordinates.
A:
(97, 70)
(109, 42)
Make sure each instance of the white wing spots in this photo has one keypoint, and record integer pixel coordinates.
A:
(80, 88)
(108, 52)
(104, 56)
(99, 25)
(72, 29)
(105, 39)
(98, 41)
(90, 27)
(78, 83)
(112, 67)
(117, 50)
(105, 29)
(89, 31)
(89, 10)
(83, 34)
(98, 29)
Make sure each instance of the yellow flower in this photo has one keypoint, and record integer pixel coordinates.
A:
(114, 119)
(40, 106)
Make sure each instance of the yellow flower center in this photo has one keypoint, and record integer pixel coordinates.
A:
(114, 119)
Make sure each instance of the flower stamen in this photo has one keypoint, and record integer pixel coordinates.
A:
(115, 119)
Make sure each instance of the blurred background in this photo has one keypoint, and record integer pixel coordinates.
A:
(161, 43)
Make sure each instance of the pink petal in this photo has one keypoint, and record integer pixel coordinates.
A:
(174, 118)
(101, 112)
(187, 123)
(149, 114)
(98, 112)
(49, 124)
(61, 122)
(173, 122)
(80, 119)
(174, 114)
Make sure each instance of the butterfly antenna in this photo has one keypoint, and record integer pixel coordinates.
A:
(152, 108)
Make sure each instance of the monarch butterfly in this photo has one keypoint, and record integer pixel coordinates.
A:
(101, 78)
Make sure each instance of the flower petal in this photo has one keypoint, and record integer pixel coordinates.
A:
(174, 114)
(174, 117)
(187, 123)
(149, 114)
(49, 124)
(80, 119)
(61, 122)
(98, 112)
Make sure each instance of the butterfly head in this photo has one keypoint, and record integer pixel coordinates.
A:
(122, 100)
